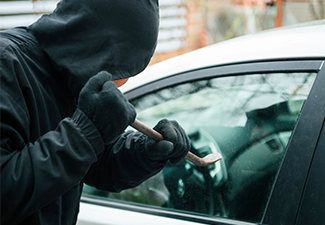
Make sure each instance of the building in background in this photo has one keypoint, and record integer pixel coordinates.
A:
(211, 21)
(187, 25)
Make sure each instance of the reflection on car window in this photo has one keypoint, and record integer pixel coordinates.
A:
(249, 119)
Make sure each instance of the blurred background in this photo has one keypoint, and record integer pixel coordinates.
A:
(187, 25)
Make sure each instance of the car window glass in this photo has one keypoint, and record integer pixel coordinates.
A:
(249, 119)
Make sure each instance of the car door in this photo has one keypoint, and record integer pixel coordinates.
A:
(255, 115)
(285, 205)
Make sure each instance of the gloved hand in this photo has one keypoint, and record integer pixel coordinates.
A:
(175, 145)
(106, 106)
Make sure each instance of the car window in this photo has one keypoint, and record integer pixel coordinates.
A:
(249, 119)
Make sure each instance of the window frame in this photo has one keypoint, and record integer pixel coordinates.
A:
(280, 190)
(288, 190)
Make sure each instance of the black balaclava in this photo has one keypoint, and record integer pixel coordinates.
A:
(84, 37)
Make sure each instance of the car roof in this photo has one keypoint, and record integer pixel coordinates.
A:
(297, 42)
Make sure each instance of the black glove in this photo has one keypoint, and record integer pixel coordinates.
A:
(175, 145)
(106, 106)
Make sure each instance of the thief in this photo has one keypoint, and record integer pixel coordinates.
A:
(63, 118)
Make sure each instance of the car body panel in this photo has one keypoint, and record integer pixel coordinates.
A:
(100, 212)
(98, 215)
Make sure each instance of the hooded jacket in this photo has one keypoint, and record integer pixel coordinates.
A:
(45, 155)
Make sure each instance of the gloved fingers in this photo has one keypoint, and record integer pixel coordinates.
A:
(110, 85)
(182, 147)
(96, 83)
(105, 105)
(178, 158)
(112, 93)
(132, 113)
(164, 148)
(167, 130)
(128, 112)
(174, 133)
(160, 150)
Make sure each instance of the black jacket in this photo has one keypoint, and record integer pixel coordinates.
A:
(45, 155)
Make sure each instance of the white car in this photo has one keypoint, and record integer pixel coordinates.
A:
(259, 100)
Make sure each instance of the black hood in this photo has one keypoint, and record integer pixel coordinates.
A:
(84, 37)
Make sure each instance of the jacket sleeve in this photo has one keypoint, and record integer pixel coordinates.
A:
(35, 174)
(123, 165)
